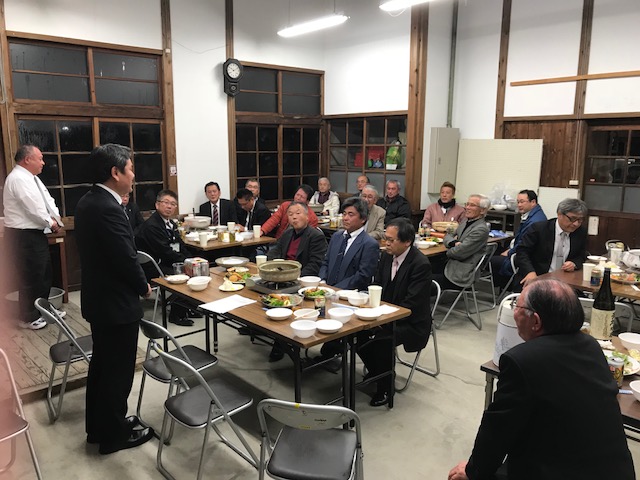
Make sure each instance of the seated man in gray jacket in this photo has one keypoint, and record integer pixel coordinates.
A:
(465, 246)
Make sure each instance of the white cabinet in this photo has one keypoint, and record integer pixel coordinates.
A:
(443, 157)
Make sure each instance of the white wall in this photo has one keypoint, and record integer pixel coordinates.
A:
(614, 48)
(202, 145)
(478, 50)
(89, 20)
(544, 42)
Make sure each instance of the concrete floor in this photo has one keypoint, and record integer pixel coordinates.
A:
(431, 427)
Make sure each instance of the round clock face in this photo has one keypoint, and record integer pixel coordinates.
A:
(233, 70)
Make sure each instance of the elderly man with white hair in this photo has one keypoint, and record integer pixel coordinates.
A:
(466, 245)
(329, 200)
(375, 224)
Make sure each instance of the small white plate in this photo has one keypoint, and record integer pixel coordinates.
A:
(629, 369)
(344, 294)
(279, 313)
(328, 326)
(177, 279)
(329, 291)
(233, 288)
(368, 314)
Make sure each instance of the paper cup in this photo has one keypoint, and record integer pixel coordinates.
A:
(615, 254)
(260, 259)
(586, 271)
(256, 231)
(231, 226)
(178, 268)
(375, 295)
(203, 236)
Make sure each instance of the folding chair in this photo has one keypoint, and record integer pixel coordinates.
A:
(154, 367)
(614, 241)
(14, 422)
(464, 291)
(505, 290)
(486, 273)
(414, 365)
(624, 311)
(64, 352)
(312, 444)
(144, 258)
(205, 405)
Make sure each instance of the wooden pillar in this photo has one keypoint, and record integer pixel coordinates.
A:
(169, 123)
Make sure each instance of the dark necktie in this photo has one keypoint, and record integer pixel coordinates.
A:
(124, 209)
(333, 277)
(214, 215)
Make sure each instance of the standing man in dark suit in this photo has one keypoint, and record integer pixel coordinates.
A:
(555, 413)
(133, 212)
(251, 212)
(557, 244)
(352, 256)
(405, 277)
(219, 209)
(112, 282)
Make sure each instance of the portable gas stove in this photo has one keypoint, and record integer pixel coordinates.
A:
(263, 286)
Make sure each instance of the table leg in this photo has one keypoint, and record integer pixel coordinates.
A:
(488, 389)
(297, 374)
(163, 300)
(215, 334)
(63, 270)
(346, 374)
(207, 332)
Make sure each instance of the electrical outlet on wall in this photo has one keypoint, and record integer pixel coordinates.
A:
(594, 222)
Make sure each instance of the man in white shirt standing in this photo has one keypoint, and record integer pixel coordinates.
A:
(29, 213)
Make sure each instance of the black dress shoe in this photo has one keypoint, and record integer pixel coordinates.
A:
(137, 438)
(182, 321)
(244, 331)
(194, 314)
(379, 399)
(275, 355)
(130, 422)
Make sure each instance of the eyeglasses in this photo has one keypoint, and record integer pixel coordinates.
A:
(166, 202)
(390, 240)
(514, 306)
(574, 219)
(471, 205)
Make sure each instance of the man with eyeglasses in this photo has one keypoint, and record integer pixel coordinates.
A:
(557, 244)
(531, 212)
(465, 246)
(159, 237)
(555, 413)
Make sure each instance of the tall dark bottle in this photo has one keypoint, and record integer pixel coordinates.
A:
(603, 309)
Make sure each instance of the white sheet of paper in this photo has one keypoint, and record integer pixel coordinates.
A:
(227, 304)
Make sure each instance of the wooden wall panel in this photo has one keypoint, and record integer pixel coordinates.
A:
(619, 228)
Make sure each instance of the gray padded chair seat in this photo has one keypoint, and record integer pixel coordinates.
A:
(200, 359)
(191, 407)
(313, 454)
(60, 351)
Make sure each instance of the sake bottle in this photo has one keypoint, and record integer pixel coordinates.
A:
(603, 309)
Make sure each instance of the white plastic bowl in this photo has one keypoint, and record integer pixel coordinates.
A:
(341, 314)
(422, 244)
(303, 328)
(358, 298)
(635, 388)
(198, 222)
(310, 281)
(279, 313)
(198, 284)
(630, 340)
(367, 314)
(499, 207)
(328, 326)
(596, 258)
(306, 314)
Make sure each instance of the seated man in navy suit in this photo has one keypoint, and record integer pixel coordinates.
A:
(352, 256)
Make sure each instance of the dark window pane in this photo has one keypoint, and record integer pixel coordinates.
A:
(268, 138)
(76, 169)
(338, 133)
(300, 105)
(257, 102)
(310, 163)
(75, 136)
(375, 131)
(633, 172)
(50, 173)
(355, 159)
(146, 137)
(40, 133)
(148, 167)
(269, 188)
(122, 92)
(56, 193)
(246, 165)
(605, 170)
(338, 157)
(291, 164)
(240, 182)
(245, 139)
(395, 126)
(41, 58)
(631, 200)
(603, 197)
(608, 143)
(311, 139)
(111, 132)
(146, 195)
(312, 180)
(634, 149)
(268, 164)
(290, 186)
(71, 198)
(50, 87)
(259, 79)
(291, 139)
(299, 83)
(355, 132)
(124, 66)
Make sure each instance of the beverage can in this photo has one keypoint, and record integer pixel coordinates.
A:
(616, 365)
(596, 277)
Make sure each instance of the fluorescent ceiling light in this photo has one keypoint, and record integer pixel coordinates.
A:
(313, 25)
(395, 5)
